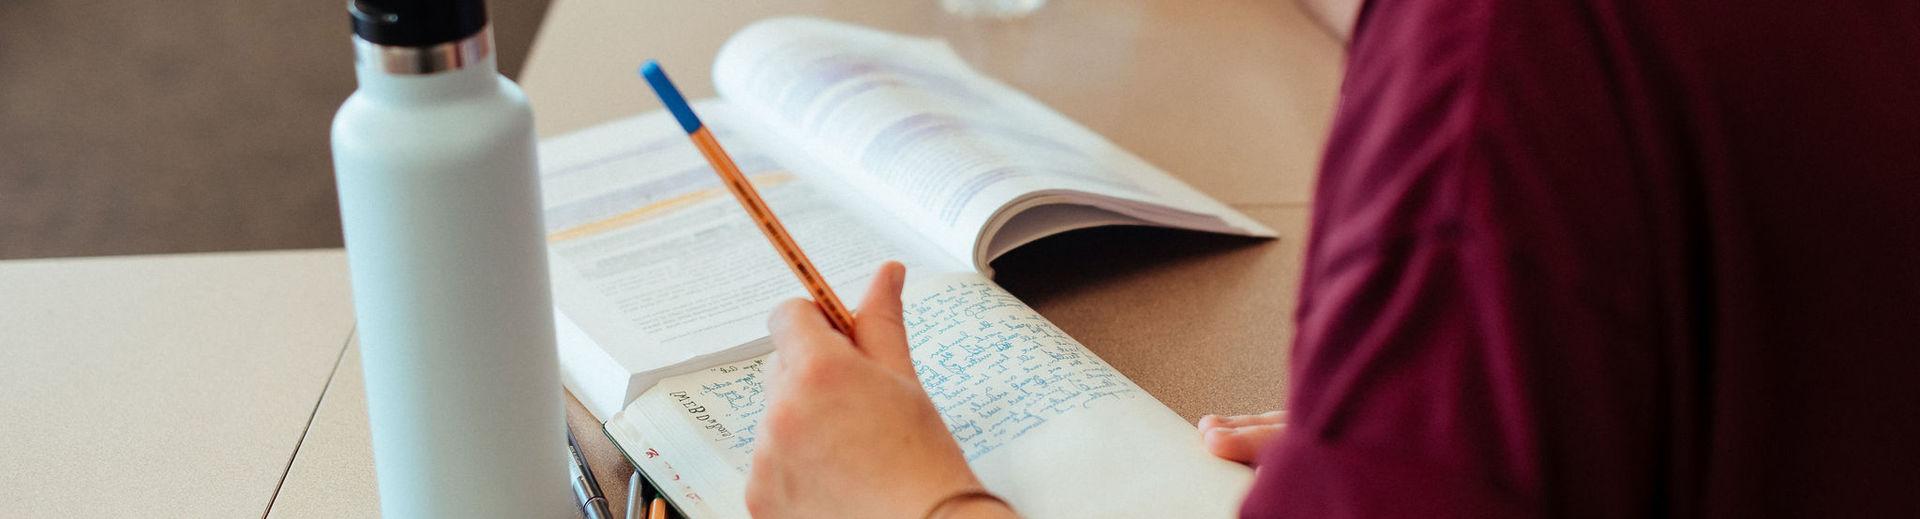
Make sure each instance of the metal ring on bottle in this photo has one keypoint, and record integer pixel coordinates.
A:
(452, 55)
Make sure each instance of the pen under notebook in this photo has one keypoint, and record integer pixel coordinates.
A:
(593, 504)
(644, 501)
(749, 198)
(636, 495)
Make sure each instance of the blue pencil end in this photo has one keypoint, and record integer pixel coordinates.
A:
(651, 69)
(670, 96)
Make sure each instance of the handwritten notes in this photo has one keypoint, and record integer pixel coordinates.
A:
(725, 403)
(994, 368)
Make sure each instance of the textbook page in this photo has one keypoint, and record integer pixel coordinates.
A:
(1044, 422)
(656, 266)
(949, 150)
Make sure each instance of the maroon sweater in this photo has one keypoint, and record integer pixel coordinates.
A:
(1613, 258)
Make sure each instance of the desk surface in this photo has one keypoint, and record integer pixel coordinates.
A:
(162, 386)
(1232, 97)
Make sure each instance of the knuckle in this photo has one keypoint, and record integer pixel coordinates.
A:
(759, 503)
(783, 314)
(815, 372)
(777, 321)
(756, 505)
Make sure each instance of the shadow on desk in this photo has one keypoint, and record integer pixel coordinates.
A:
(1201, 321)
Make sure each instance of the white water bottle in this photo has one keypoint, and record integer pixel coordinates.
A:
(440, 205)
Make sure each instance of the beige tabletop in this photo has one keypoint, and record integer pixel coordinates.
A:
(1232, 97)
(162, 386)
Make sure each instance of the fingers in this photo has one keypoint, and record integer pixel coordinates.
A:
(1241, 444)
(775, 375)
(878, 329)
(800, 331)
(1267, 418)
(1240, 437)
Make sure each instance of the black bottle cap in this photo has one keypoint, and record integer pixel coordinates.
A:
(416, 23)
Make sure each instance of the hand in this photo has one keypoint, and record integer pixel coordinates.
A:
(1239, 438)
(849, 432)
(1336, 16)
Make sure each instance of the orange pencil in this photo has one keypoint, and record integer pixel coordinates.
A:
(749, 199)
(657, 510)
(644, 501)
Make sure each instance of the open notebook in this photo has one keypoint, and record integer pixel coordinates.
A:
(869, 146)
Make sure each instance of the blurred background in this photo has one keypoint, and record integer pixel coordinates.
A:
(159, 127)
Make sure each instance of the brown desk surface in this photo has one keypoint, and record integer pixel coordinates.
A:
(1233, 97)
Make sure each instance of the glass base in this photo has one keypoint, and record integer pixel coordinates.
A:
(992, 8)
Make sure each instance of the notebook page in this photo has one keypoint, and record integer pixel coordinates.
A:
(1044, 422)
(656, 262)
(1048, 425)
(941, 145)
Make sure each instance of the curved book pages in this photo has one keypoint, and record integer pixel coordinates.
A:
(870, 146)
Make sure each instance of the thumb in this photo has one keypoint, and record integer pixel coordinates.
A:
(879, 329)
(1241, 444)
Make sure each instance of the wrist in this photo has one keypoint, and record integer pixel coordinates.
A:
(972, 502)
(978, 509)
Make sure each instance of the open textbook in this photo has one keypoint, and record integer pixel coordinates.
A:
(869, 146)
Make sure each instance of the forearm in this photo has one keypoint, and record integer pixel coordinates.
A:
(1336, 16)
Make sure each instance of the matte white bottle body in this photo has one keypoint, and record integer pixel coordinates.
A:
(440, 205)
